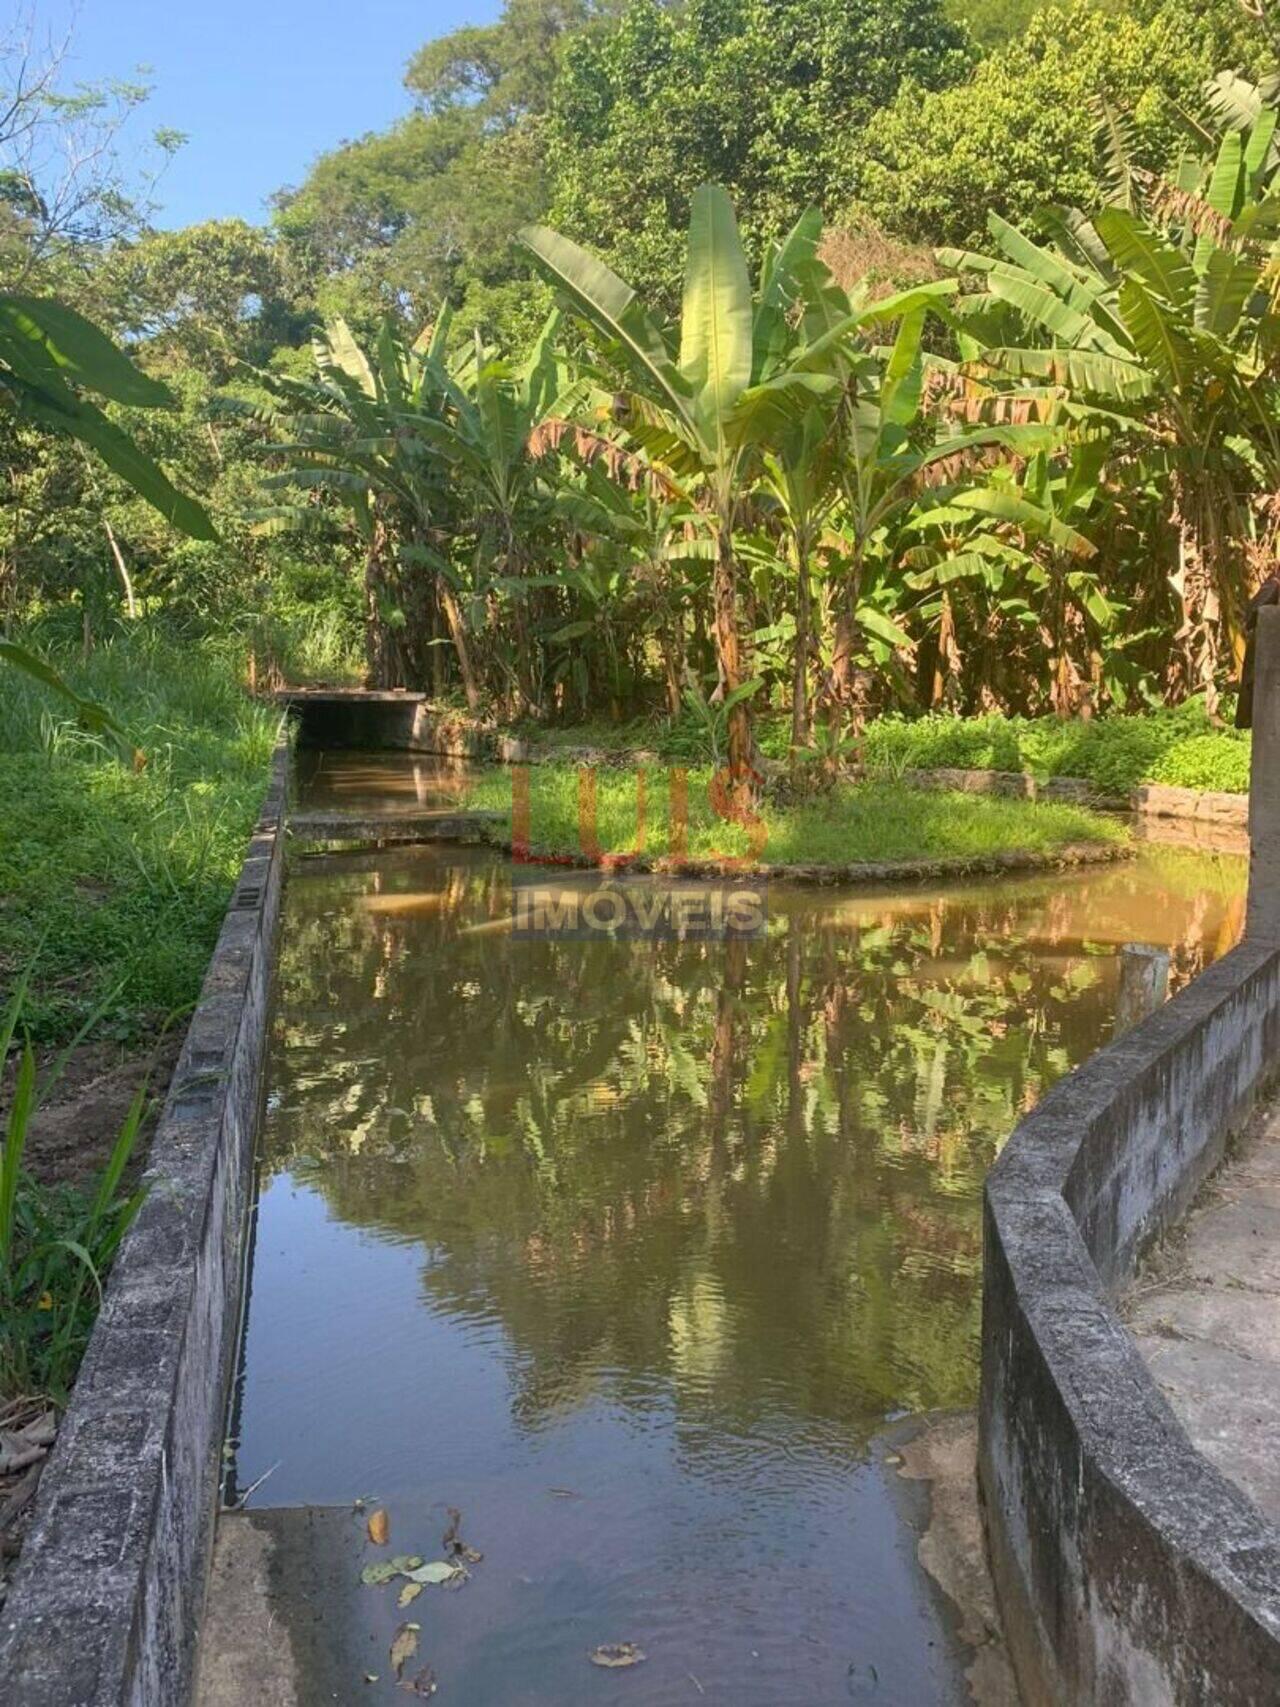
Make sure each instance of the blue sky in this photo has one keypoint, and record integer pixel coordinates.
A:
(261, 87)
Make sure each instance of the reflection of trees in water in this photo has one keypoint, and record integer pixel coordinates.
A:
(750, 1169)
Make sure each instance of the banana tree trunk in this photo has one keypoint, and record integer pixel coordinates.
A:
(1193, 668)
(671, 644)
(800, 663)
(379, 648)
(844, 696)
(729, 659)
(461, 645)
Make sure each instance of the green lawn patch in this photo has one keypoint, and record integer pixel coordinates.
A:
(869, 822)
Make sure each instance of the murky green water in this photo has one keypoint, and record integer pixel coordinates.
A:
(631, 1252)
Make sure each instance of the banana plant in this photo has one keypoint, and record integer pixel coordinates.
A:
(49, 357)
(706, 406)
(1013, 548)
(365, 432)
(487, 431)
(1160, 311)
(898, 441)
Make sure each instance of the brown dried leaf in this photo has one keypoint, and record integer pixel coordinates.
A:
(379, 1527)
(404, 1645)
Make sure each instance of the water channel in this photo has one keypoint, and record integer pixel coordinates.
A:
(637, 1254)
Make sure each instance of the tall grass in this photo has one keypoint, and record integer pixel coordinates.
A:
(114, 876)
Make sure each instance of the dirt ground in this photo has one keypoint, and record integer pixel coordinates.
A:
(72, 1132)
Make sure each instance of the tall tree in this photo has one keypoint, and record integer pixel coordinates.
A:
(763, 96)
(1020, 131)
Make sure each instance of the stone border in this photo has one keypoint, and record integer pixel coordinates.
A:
(1128, 1568)
(104, 1606)
(477, 828)
(1148, 799)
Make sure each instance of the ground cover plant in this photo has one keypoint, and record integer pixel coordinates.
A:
(1178, 746)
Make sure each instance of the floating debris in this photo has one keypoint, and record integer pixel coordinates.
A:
(616, 1655)
(453, 1542)
(444, 1572)
(385, 1569)
(404, 1645)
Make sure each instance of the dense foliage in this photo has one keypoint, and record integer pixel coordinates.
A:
(692, 448)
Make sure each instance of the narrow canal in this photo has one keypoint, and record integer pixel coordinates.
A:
(636, 1255)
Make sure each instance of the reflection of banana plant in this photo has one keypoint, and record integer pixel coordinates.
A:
(573, 1116)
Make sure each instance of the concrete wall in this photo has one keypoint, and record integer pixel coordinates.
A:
(367, 719)
(104, 1606)
(1128, 1569)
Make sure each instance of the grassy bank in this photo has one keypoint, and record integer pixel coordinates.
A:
(114, 878)
(869, 822)
(1179, 747)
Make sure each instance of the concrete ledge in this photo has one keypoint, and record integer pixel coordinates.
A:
(445, 825)
(104, 1606)
(1128, 1568)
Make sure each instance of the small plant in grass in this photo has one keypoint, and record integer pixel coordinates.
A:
(56, 1245)
(711, 718)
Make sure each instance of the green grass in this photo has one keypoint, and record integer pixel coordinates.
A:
(1179, 747)
(856, 823)
(115, 877)
(1117, 753)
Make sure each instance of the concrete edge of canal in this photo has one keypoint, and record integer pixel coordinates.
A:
(105, 1603)
(1128, 1567)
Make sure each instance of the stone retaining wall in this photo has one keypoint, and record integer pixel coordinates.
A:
(105, 1602)
(1129, 1569)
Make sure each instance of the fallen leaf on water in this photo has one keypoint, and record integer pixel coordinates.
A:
(423, 1683)
(404, 1645)
(616, 1654)
(385, 1569)
(379, 1527)
(409, 1592)
(437, 1571)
